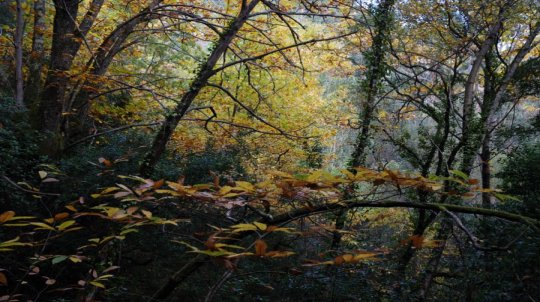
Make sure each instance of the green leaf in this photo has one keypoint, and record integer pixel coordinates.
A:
(214, 253)
(505, 197)
(58, 259)
(459, 174)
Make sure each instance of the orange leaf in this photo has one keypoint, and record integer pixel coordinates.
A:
(61, 216)
(3, 279)
(6, 216)
(378, 181)
(417, 240)
(271, 228)
(348, 258)
(131, 210)
(473, 181)
(215, 178)
(260, 247)
(105, 162)
(158, 184)
(211, 243)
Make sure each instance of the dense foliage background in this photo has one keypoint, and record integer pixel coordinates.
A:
(269, 150)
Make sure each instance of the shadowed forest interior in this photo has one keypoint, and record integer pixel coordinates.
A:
(269, 150)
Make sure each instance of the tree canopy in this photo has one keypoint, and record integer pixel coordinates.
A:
(269, 150)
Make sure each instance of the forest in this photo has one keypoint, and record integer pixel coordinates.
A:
(269, 150)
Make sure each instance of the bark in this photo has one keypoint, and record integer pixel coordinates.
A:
(492, 103)
(68, 37)
(370, 89)
(19, 32)
(489, 92)
(466, 142)
(35, 65)
(97, 66)
(374, 76)
(171, 122)
(443, 234)
(52, 100)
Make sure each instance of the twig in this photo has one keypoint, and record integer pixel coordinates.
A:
(474, 240)
(111, 131)
(11, 182)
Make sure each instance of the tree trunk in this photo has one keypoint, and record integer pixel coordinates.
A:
(369, 87)
(171, 121)
(35, 65)
(492, 103)
(19, 32)
(56, 84)
(83, 92)
(470, 146)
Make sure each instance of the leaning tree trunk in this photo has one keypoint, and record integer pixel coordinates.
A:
(171, 121)
(83, 92)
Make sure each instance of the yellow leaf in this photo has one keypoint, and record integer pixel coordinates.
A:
(245, 185)
(364, 256)
(71, 208)
(260, 225)
(231, 195)
(315, 176)
(282, 174)
(242, 227)
(75, 259)
(42, 174)
(224, 190)
(348, 174)
(277, 254)
(65, 225)
(147, 214)
(97, 284)
(111, 211)
(109, 190)
(43, 225)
